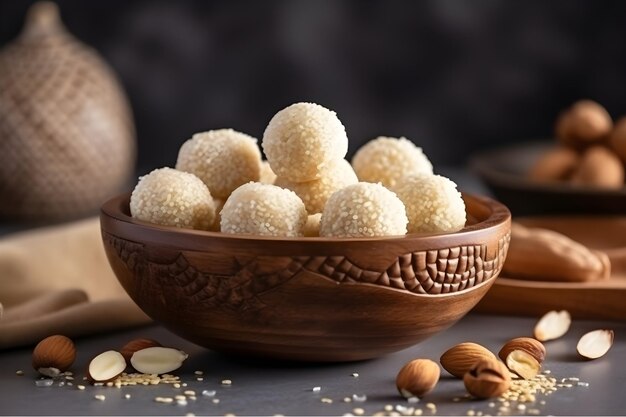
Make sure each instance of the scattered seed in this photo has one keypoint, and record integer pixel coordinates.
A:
(355, 374)
(184, 384)
(190, 415)
(431, 406)
(470, 413)
(326, 400)
(19, 372)
(199, 379)
(215, 400)
(413, 400)
(347, 399)
(359, 398)
(164, 400)
(44, 382)
(80, 387)
(418, 412)
(181, 402)
(189, 392)
(492, 405)
(100, 397)
(358, 411)
(198, 373)
(180, 397)
(583, 384)
(521, 407)
(227, 382)
(388, 407)
(316, 389)
(127, 396)
(208, 393)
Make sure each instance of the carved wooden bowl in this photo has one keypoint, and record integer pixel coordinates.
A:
(312, 299)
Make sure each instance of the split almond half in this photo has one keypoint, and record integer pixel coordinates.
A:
(157, 360)
(595, 344)
(552, 325)
(106, 366)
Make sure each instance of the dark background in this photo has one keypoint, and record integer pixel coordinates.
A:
(454, 76)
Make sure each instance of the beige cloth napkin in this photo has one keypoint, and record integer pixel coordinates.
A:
(57, 280)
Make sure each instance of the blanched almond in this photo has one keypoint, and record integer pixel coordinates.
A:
(595, 344)
(106, 366)
(157, 360)
(552, 325)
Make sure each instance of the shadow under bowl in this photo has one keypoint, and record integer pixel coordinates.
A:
(306, 299)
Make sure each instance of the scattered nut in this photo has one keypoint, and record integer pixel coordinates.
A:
(552, 325)
(524, 356)
(460, 358)
(595, 343)
(106, 366)
(488, 378)
(157, 360)
(135, 345)
(53, 355)
(417, 378)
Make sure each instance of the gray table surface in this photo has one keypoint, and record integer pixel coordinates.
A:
(268, 388)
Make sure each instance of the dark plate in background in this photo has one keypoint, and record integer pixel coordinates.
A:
(504, 172)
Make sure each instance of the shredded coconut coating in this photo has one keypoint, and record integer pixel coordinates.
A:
(267, 175)
(387, 160)
(315, 194)
(312, 226)
(432, 203)
(173, 198)
(265, 210)
(224, 159)
(302, 139)
(363, 210)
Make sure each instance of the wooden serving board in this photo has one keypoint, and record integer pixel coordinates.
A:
(605, 299)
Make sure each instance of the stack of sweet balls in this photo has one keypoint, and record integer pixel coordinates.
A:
(305, 188)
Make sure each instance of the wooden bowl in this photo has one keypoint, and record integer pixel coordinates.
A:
(311, 299)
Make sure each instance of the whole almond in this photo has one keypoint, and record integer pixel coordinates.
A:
(555, 165)
(460, 358)
(417, 378)
(135, 345)
(585, 122)
(53, 355)
(487, 378)
(599, 167)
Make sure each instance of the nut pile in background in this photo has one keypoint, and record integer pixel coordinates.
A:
(591, 149)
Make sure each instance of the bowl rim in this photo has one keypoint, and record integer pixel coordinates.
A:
(498, 215)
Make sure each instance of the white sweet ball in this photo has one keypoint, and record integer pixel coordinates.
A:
(387, 160)
(173, 198)
(302, 140)
(224, 159)
(432, 203)
(314, 194)
(265, 210)
(363, 210)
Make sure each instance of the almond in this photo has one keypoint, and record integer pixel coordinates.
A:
(524, 356)
(157, 360)
(106, 366)
(53, 355)
(135, 345)
(417, 378)
(552, 325)
(487, 378)
(460, 358)
(595, 344)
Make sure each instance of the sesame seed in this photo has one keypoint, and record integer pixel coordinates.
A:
(227, 382)
(326, 400)
(358, 411)
(19, 372)
(316, 389)
(80, 387)
(100, 397)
